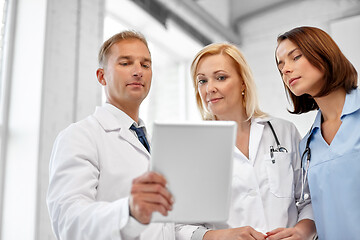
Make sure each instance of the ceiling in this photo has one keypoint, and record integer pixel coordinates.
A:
(246, 9)
(208, 20)
(237, 11)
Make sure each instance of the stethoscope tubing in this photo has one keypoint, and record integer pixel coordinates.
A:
(279, 147)
(304, 173)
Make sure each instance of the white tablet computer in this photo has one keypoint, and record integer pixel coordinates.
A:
(196, 159)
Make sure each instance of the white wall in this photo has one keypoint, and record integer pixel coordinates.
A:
(20, 175)
(346, 32)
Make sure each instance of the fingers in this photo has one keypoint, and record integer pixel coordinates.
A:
(151, 177)
(243, 233)
(250, 233)
(281, 233)
(155, 198)
(155, 183)
(154, 189)
(257, 235)
(142, 211)
(149, 194)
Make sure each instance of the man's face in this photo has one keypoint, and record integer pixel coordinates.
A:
(126, 74)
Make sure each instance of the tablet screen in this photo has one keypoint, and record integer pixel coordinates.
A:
(196, 159)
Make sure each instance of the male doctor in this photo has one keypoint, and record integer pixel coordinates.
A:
(99, 184)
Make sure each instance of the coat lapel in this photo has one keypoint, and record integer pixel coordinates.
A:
(127, 135)
(256, 132)
(121, 123)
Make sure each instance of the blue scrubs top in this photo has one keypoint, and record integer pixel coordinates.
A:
(334, 174)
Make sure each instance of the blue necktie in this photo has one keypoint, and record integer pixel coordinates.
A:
(141, 136)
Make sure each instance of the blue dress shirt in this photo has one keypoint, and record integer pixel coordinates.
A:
(334, 174)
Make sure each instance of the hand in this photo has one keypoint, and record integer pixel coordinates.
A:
(304, 229)
(242, 233)
(285, 233)
(149, 194)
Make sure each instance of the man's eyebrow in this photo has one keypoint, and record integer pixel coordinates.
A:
(147, 60)
(123, 57)
(130, 58)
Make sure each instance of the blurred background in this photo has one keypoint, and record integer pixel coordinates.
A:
(48, 60)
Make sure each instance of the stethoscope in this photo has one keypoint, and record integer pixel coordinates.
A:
(304, 173)
(278, 148)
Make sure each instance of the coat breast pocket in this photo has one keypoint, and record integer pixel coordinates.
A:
(280, 174)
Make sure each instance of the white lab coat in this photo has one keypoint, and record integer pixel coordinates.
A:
(92, 167)
(263, 193)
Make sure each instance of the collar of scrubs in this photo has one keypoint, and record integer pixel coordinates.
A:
(352, 104)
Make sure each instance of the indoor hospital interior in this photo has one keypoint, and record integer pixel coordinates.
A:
(48, 62)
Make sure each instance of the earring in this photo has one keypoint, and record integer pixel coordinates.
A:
(243, 93)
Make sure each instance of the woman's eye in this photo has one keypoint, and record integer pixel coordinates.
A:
(297, 57)
(201, 81)
(221, 78)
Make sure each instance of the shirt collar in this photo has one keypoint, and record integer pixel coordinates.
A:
(140, 124)
(122, 119)
(352, 104)
(317, 121)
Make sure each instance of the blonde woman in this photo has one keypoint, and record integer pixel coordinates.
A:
(266, 176)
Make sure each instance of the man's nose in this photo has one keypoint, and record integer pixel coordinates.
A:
(138, 71)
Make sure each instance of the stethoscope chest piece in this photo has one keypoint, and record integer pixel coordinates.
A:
(279, 148)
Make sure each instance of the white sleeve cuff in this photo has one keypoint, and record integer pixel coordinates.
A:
(199, 233)
(129, 226)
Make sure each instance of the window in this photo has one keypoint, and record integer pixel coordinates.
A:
(3, 102)
(171, 95)
(2, 80)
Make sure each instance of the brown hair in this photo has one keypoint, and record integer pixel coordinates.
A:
(125, 35)
(250, 97)
(324, 54)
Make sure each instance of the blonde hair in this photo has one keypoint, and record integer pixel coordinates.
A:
(125, 35)
(250, 97)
